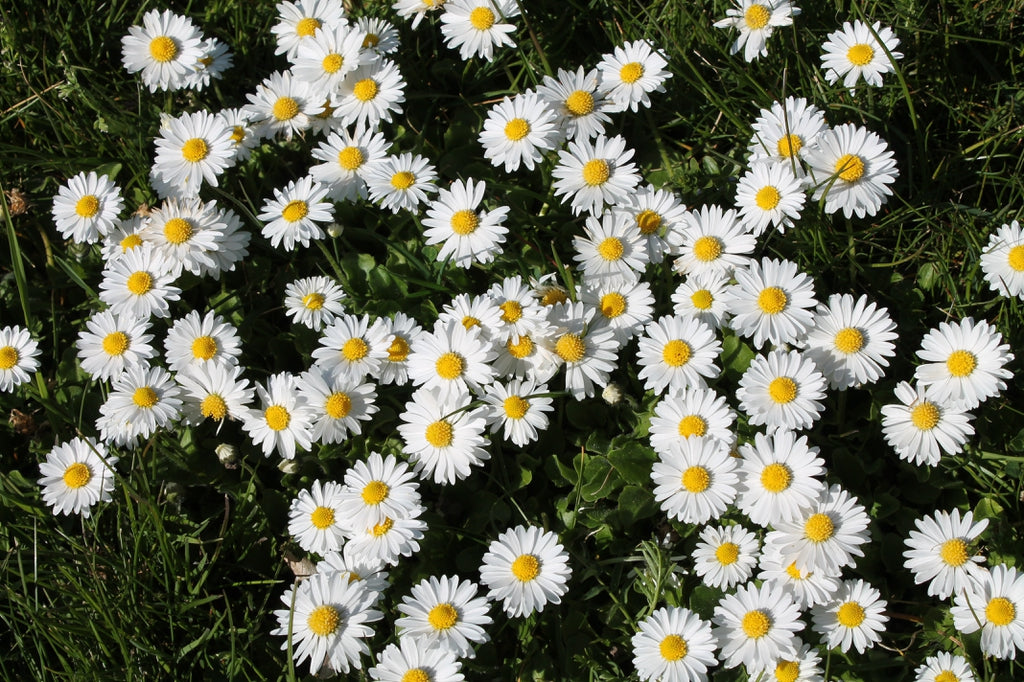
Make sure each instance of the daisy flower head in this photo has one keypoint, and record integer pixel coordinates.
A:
(352, 347)
(232, 246)
(854, 618)
(780, 477)
(756, 625)
(452, 360)
(282, 105)
(921, 427)
(655, 214)
(610, 251)
(76, 475)
(516, 410)
(298, 22)
(368, 571)
(695, 480)
(214, 391)
(188, 232)
(123, 237)
(111, 343)
(712, 241)
(858, 50)
(756, 20)
(315, 518)
(467, 232)
(142, 400)
(338, 402)
(378, 489)
(520, 311)
(139, 283)
(944, 667)
(474, 27)
(380, 37)
(325, 620)
(580, 107)
(851, 341)
(784, 133)
(940, 552)
(964, 363)
(284, 422)
(802, 667)
(519, 131)
(674, 645)
(215, 60)
(725, 556)
(193, 341)
(314, 301)
(1002, 260)
(782, 390)
(412, 659)
(525, 569)
(18, 351)
(477, 313)
(630, 73)
(807, 587)
(587, 354)
(164, 49)
(677, 353)
(827, 536)
(328, 56)
(444, 439)
(295, 213)
(371, 94)
(388, 541)
(446, 613)
(345, 157)
(625, 308)
(852, 168)
(703, 296)
(530, 355)
(401, 181)
(191, 149)
(769, 195)
(86, 207)
(698, 413)
(591, 175)
(405, 335)
(243, 134)
(416, 9)
(995, 605)
(772, 301)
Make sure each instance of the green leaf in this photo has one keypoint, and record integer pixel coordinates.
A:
(633, 460)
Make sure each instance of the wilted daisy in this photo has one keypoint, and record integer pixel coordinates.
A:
(519, 131)
(677, 353)
(625, 308)
(587, 354)
(411, 660)
(282, 105)
(352, 346)
(295, 213)
(827, 536)
(193, 341)
(592, 174)
(405, 334)
(779, 477)
(703, 296)
(854, 618)
(325, 620)
(86, 207)
(630, 73)
(314, 301)
(214, 391)
(673, 645)
(712, 241)
(284, 422)
(725, 556)
(610, 251)
(851, 341)
(345, 156)
(921, 427)
(525, 569)
(858, 50)
(191, 149)
(695, 480)
(401, 181)
(444, 439)
(76, 475)
(769, 194)
(785, 132)
(964, 362)
(164, 49)
(188, 232)
(807, 587)
(466, 232)
(377, 489)
(577, 102)
(995, 605)
(852, 168)
(142, 400)
(782, 390)
(694, 413)
(940, 552)
(944, 667)
(516, 411)
(772, 301)
(338, 403)
(329, 54)
(298, 22)
(315, 518)
(445, 612)
(1002, 260)
(111, 343)
(474, 27)
(371, 94)
(756, 625)
(139, 284)
(756, 20)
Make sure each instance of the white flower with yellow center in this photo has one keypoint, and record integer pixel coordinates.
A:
(467, 232)
(785, 132)
(405, 334)
(298, 22)
(695, 480)
(779, 477)
(232, 247)
(827, 536)
(756, 625)
(475, 27)
(807, 587)
(215, 60)
(591, 175)
(587, 354)
(284, 422)
(697, 413)
(964, 363)
(803, 666)
(756, 21)
(526, 568)
(677, 353)
(371, 94)
(295, 213)
(579, 106)
(630, 73)
(478, 313)
(944, 667)
(86, 207)
(921, 427)
(1002, 260)
(444, 438)
(191, 149)
(995, 605)
(139, 283)
(851, 341)
(388, 541)
(76, 475)
(338, 404)
(141, 400)
(725, 556)
(353, 347)
(445, 612)
(412, 660)
(315, 518)
(625, 308)
(328, 56)
(368, 571)
(378, 489)
(853, 169)
(345, 157)
(772, 302)
(123, 238)
(214, 391)
(519, 131)
(521, 313)
(282, 105)
(940, 552)
(782, 390)
(858, 50)
(402, 181)
(673, 645)
(610, 251)
(188, 232)
(518, 410)
(416, 9)
(193, 341)
(854, 618)
(380, 37)
(314, 301)
(165, 49)
(111, 343)
(530, 356)
(703, 296)
(712, 241)
(452, 360)
(655, 214)
(243, 133)
(769, 195)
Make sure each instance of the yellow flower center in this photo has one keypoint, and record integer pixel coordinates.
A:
(672, 648)
(140, 282)
(365, 90)
(579, 103)
(596, 172)
(702, 299)
(1015, 258)
(324, 620)
(402, 180)
(237, 134)
(338, 405)
(77, 475)
(767, 197)
(772, 300)
(177, 231)
(416, 675)
(322, 517)
(521, 348)
(849, 340)
(571, 348)
(925, 416)
(553, 296)
(204, 347)
(130, 242)
(195, 150)
(375, 492)
(1000, 611)
(696, 479)
(692, 425)
(8, 357)
(789, 145)
(776, 477)
(517, 129)
(439, 434)
(676, 353)
(954, 552)
(756, 624)
(648, 221)
(295, 211)
(782, 390)
(87, 206)
(443, 617)
(114, 343)
(961, 363)
(850, 167)
(163, 49)
(469, 322)
(332, 63)
(819, 527)
(450, 366)
(398, 351)
(515, 407)
(511, 311)
(145, 397)
(860, 54)
(351, 158)
(756, 17)
(787, 671)
(611, 248)
(526, 567)
(277, 417)
(707, 249)
(383, 528)
(313, 301)
(850, 614)
(213, 407)
(612, 305)
(946, 676)
(285, 109)
(371, 40)
(632, 72)
(727, 553)
(794, 573)
(355, 349)
(307, 27)
(482, 18)
(464, 222)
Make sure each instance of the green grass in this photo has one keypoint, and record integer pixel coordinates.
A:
(177, 577)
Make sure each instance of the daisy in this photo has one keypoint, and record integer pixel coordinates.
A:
(122, 238)
(995, 605)
(756, 20)
(401, 181)
(76, 475)
(593, 174)
(390, 540)
(405, 335)
(187, 232)
(518, 132)
(86, 207)
(325, 620)
(703, 296)
(802, 667)
(756, 625)
(725, 556)
(785, 132)
(530, 356)
(807, 587)
(827, 536)
(328, 56)
(517, 410)
(479, 314)
(697, 413)
(299, 21)
(410, 660)
(369, 573)
(674, 645)
(111, 343)
(587, 354)
(630, 73)
(852, 168)
(164, 49)
(352, 347)
(610, 252)
(858, 50)
(380, 37)
(782, 390)
(695, 480)
(851, 341)
(214, 391)
(526, 568)
(139, 283)
(371, 94)
(314, 301)
(282, 105)
(232, 246)
(854, 618)
(346, 156)
(443, 438)
(769, 194)
(780, 477)
(452, 361)
(191, 341)
(285, 421)
(190, 149)
(771, 302)
(377, 489)
(446, 613)
(1002, 260)
(520, 311)
(338, 404)
(473, 27)
(580, 108)
(920, 427)
(712, 241)
(624, 308)
(142, 400)
(677, 353)
(964, 362)
(294, 213)
(655, 214)
(940, 552)
(243, 134)
(315, 518)
(466, 232)
(215, 60)
(944, 667)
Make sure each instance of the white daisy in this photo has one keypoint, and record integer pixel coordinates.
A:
(215, 60)
(625, 308)
(780, 477)
(338, 403)
(214, 391)
(417, 9)
(674, 645)
(677, 353)
(295, 213)
(141, 400)
(610, 252)
(345, 157)
(854, 618)
(858, 50)
(828, 535)
(452, 360)
(402, 181)
(517, 410)
(756, 625)
(769, 194)
(187, 232)
(520, 311)
(630, 73)
(772, 301)
(695, 480)
(445, 612)
(479, 314)
(579, 106)
(655, 214)
(964, 362)
(785, 132)
(232, 246)
(851, 341)
(314, 301)
(390, 540)
(518, 132)
(123, 237)
(587, 354)
(284, 422)
(698, 413)
(282, 105)
(380, 37)
(367, 571)
(298, 22)
(940, 552)
(944, 667)
(782, 390)
(86, 207)
(193, 341)
(371, 94)
(474, 27)
(139, 284)
(1002, 259)
(466, 232)
(803, 667)
(712, 241)
(315, 518)
(410, 660)
(328, 56)
(76, 475)
(921, 427)
(703, 296)
(377, 489)
(190, 149)
(807, 587)
(594, 174)
(725, 556)
(353, 347)
(526, 568)
(405, 335)
(164, 49)
(243, 133)
(756, 21)
(530, 356)
(111, 343)
(852, 168)
(443, 438)
(995, 605)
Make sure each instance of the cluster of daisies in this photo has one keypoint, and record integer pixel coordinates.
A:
(490, 365)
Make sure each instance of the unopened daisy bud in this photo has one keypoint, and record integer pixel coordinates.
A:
(288, 466)
(612, 394)
(227, 454)
(335, 230)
